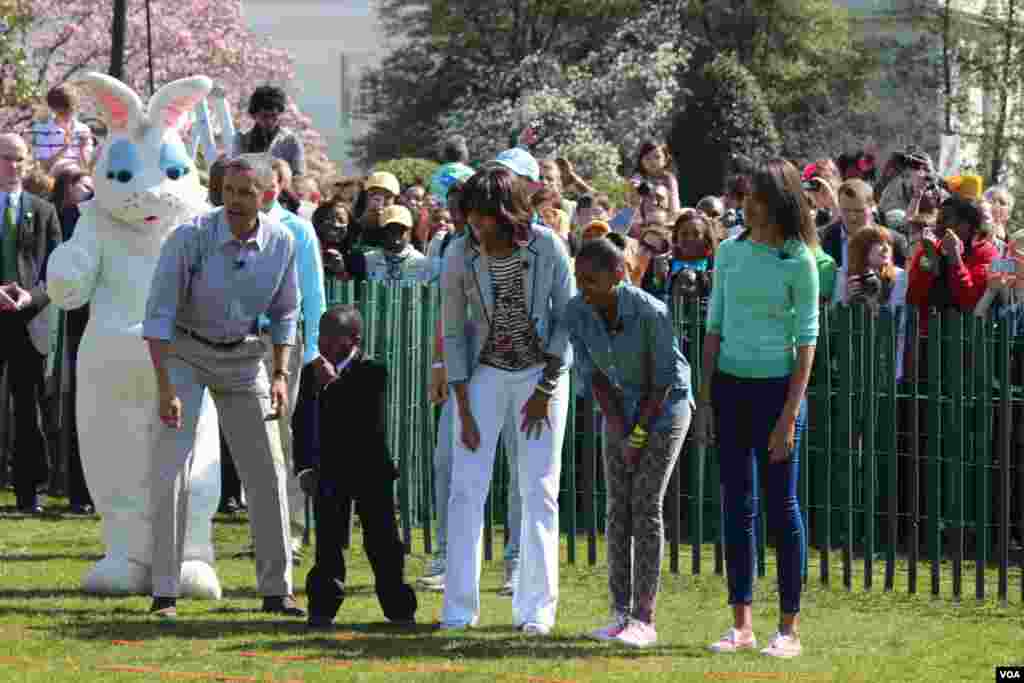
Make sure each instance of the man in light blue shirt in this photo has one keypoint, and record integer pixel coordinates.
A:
(308, 262)
(216, 276)
(312, 303)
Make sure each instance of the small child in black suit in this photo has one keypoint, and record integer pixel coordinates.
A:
(341, 455)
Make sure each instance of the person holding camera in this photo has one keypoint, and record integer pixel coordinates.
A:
(951, 266)
(873, 280)
(872, 277)
(908, 175)
(820, 180)
(653, 170)
(694, 243)
(857, 210)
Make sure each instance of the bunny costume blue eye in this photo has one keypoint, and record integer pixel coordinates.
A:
(174, 159)
(124, 163)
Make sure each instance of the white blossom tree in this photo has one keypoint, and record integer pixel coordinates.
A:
(595, 112)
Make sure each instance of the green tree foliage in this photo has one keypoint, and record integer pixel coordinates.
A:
(595, 111)
(726, 115)
(813, 72)
(17, 87)
(409, 170)
(447, 50)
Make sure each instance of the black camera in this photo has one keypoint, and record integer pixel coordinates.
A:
(935, 184)
(691, 284)
(642, 187)
(585, 202)
(870, 287)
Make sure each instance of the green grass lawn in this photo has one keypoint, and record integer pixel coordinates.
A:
(50, 632)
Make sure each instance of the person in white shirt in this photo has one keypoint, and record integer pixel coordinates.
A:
(397, 260)
(62, 136)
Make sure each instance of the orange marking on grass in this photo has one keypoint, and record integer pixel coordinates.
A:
(419, 668)
(339, 663)
(526, 678)
(130, 669)
(183, 674)
(345, 635)
(283, 658)
(133, 643)
(16, 660)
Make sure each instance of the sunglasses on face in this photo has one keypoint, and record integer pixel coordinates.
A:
(653, 249)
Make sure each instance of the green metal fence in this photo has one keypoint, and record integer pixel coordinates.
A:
(924, 471)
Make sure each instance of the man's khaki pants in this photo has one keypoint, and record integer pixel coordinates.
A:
(296, 498)
(238, 384)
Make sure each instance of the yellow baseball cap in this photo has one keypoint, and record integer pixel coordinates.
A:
(967, 186)
(396, 213)
(596, 229)
(384, 181)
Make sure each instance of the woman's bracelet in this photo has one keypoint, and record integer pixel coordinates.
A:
(638, 437)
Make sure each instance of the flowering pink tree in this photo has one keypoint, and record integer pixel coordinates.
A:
(190, 37)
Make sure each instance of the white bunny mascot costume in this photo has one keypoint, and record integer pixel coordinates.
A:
(146, 185)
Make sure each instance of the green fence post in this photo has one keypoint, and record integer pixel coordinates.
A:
(696, 454)
(1005, 453)
(823, 414)
(842, 468)
(953, 495)
(915, 349)
(935, 431)
(569, 473)
(428, 425)
(869, 409)
(589, 457)
(891, 341)
(982, 448)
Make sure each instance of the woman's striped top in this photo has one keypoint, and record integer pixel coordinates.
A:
(513, 343)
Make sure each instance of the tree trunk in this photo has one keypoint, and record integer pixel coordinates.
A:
(117, 39)
(1002, 115)
(947, 65)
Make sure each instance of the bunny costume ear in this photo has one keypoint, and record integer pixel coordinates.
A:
(171, 104)
(120, 106)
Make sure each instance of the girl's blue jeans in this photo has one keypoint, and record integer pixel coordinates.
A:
(746, 411)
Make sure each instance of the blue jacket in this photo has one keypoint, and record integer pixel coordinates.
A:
(468, 300)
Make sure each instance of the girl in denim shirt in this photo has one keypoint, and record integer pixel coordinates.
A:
(626, 350)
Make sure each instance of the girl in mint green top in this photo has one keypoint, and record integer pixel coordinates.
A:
(758, 351)
(764, 304)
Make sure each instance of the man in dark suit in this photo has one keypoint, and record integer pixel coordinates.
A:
(857, 206)
(341, 454)
(30, 231)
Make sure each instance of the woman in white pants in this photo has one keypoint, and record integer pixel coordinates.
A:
(507, 353)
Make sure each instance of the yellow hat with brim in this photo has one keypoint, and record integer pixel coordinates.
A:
(383, 180)
(596, 229)
(396, 214)
(967, 186)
